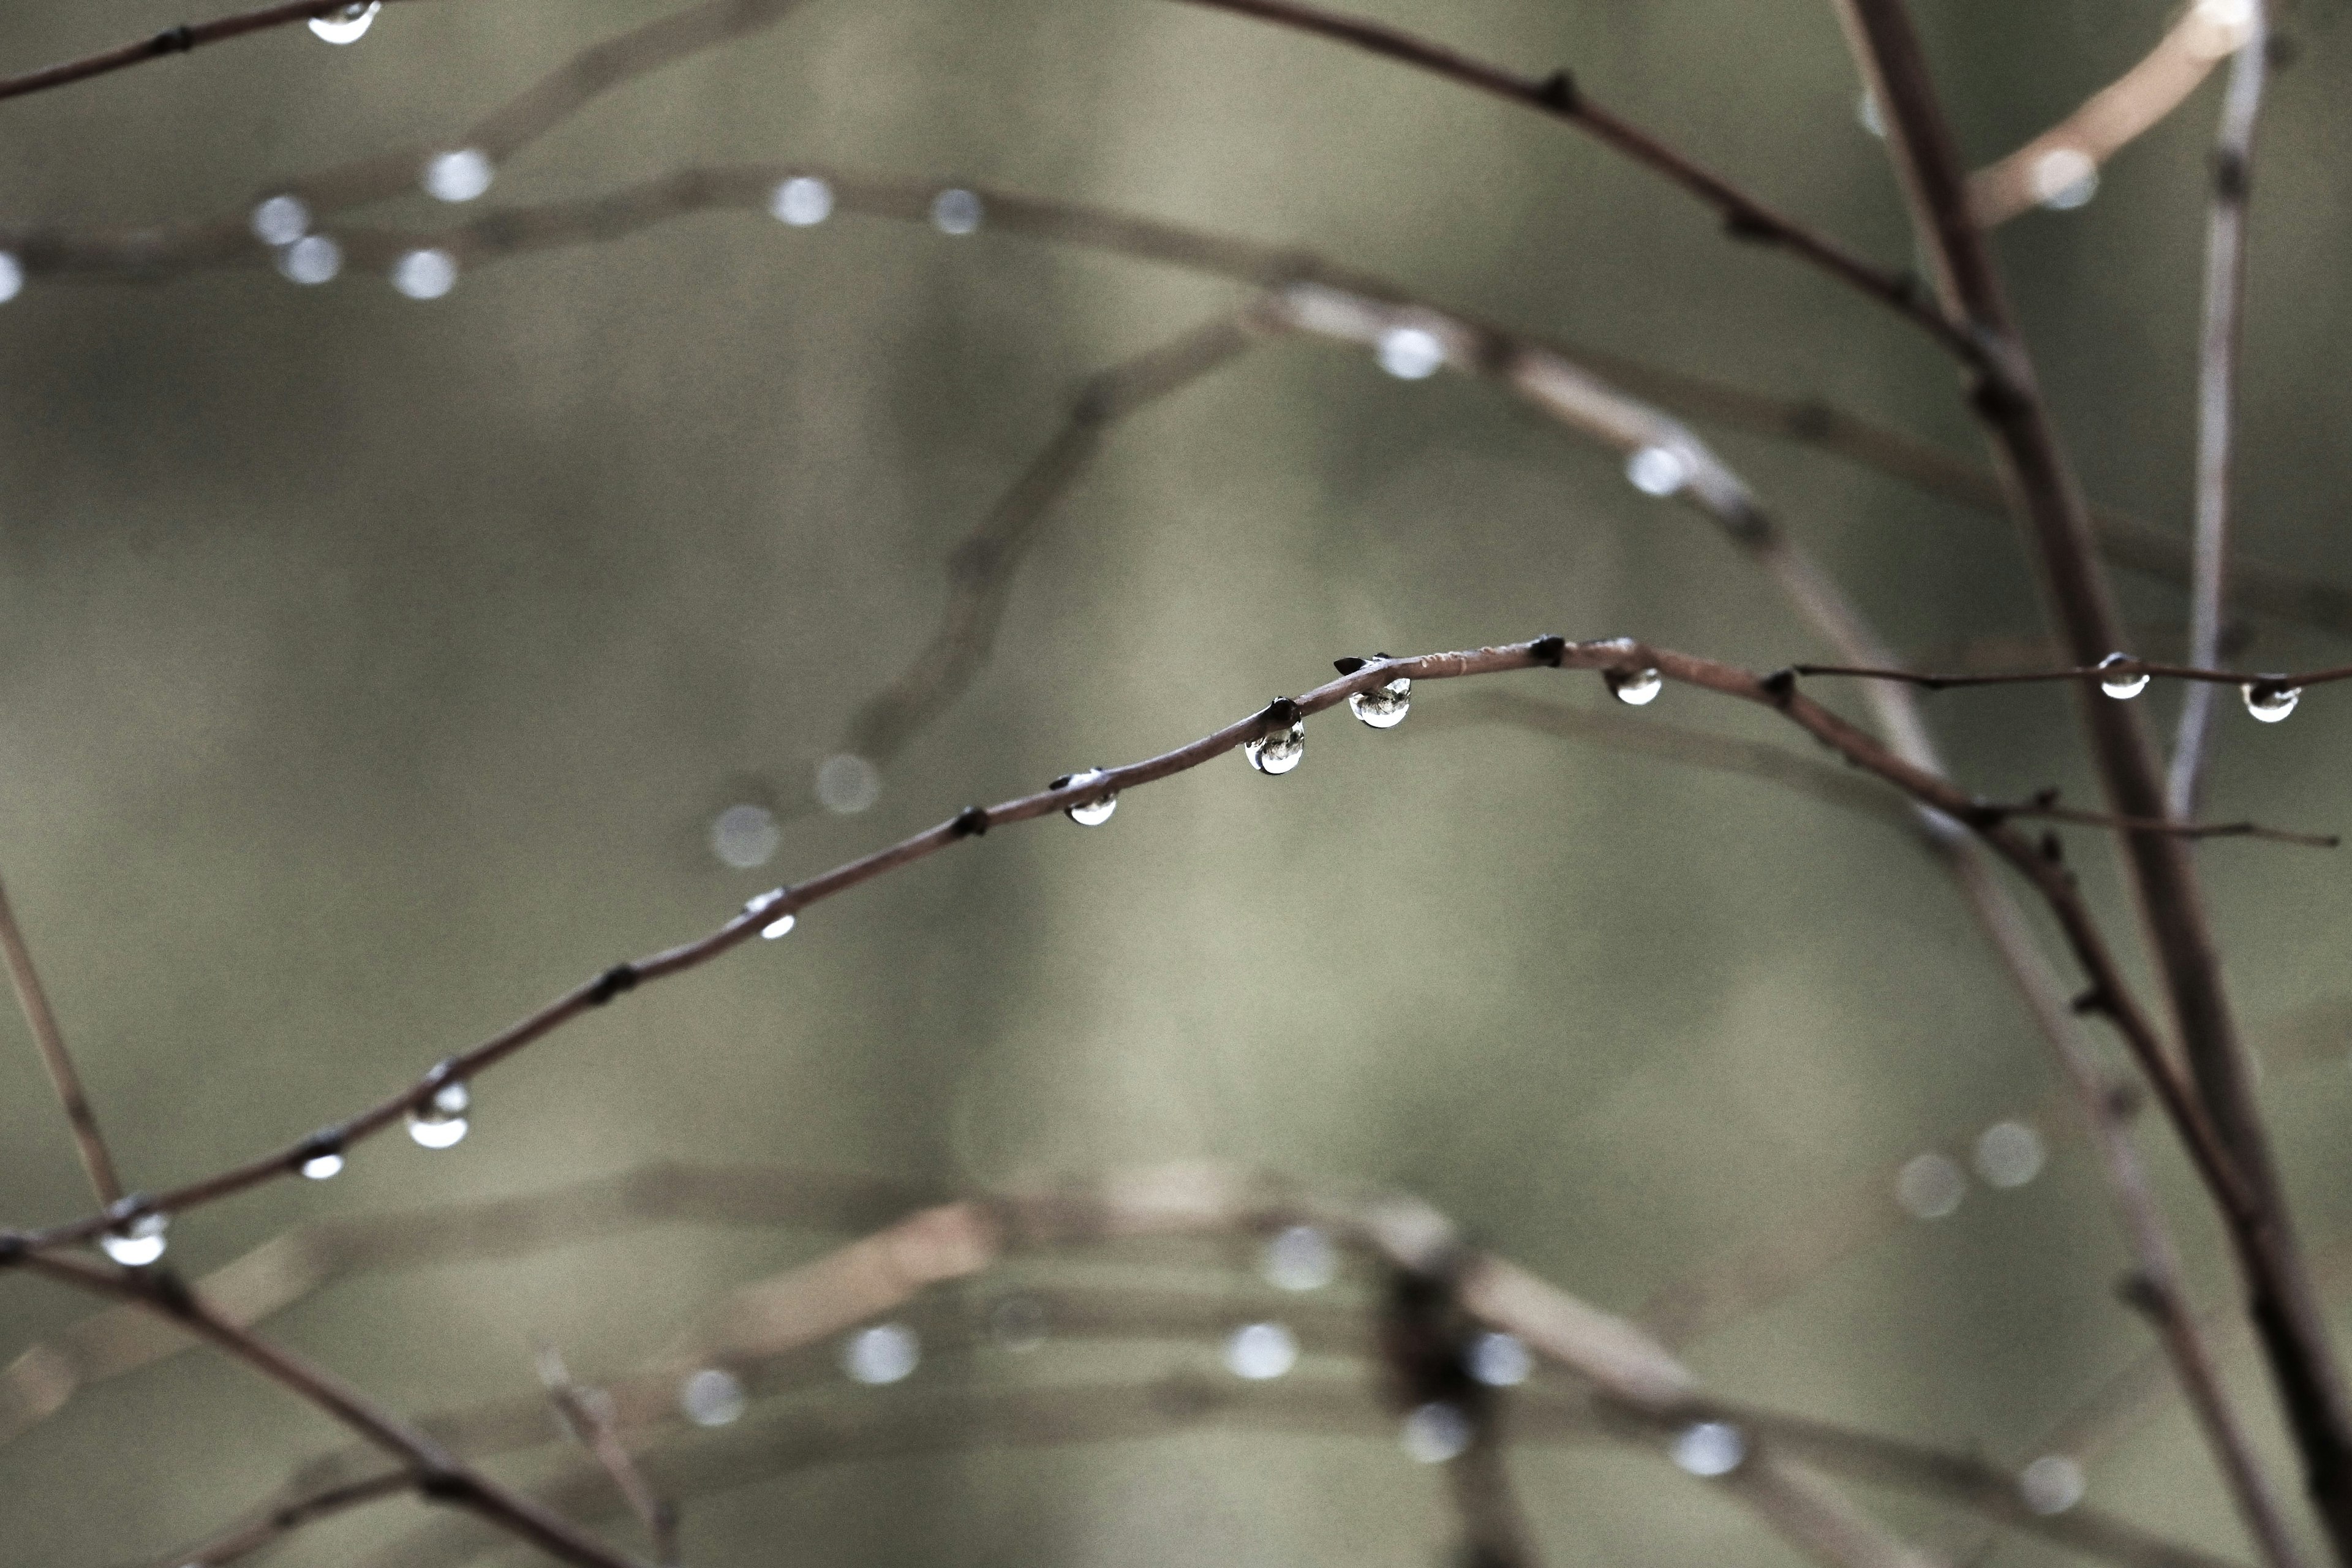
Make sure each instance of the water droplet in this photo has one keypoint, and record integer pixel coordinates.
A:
(1301, 1258)
(1017, 1323)
(1930, 1186)
(1635, 689)
(847, 784)
(12, 276)
(1278, 751)
(1383, 707)
(347, 24)
(136, 1243)
(314, 258)
(1435, 1433)
(1500, 1360)
(1710, 1449)
(2009, 1154)
(440, 1122)
(2064, 178)
(1261, 1351)
(2270, 702)
(1658, 471)
(883, 1354)
(1091, 813)
(745, 835)
(457, 176)
(711, 1398)
(1865, 110)
(425, 274)
(1411, 353)
(2051, 1484)
(2122, 687)
(281, 220)
(782, 925)
(803, 201)
(323, 1166)
(955, 212)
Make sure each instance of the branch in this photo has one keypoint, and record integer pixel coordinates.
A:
(176, 40)
(587, 1417)
(2118, 668)
(51, 1042)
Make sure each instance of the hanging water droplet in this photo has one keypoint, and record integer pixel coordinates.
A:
(955, 212)
(761, 905)
(1383, 707)
(711, 1398)
(883, 1354)
(1409, 353)
(2269, 701)
(803, 201)
(12, 276)
(745, 835)
(281, 220)
(1092, 812)
(1930, 1186)
(346, 23)
(457, 176)
(425, 274)
(1710, 1449)
(1259, 1352)
(2123, 688)
(1435, 1433)
(1635, 689)
(847, 784)
(1500, 1360)
(2064, 178)
(1017, 1323)
(314, 258)
(2051, 1484)
(1658, 471)
(1278, 751)
(1300, 1257)
(322, 1167)
(440, 1121)
(2009, 1154)
(136, 1242)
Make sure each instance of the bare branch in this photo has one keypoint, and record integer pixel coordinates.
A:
(587, 1415)
(176, 40)
(51, 1042)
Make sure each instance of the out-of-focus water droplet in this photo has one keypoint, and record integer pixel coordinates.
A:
(846, 784)
(457, 176)
(2051, 1484)
(711, 1398)
(883, 1354)
(1865, 110)
(1017, 1323)
(425, 274)
(281, 220)
(1301, 1258)
(12, 276)
(781, 926)
(803, 201)
(1409, 353)
(2124, 687)
(956, 211)
(1710, 1449)
(136, 1243)
(1435, 1433)
(323, 1166)
(2270, 702)
(1658, 471)
(440, 1121)
(2009, 1154)
(745, 835)
(1092, 812)
(1261, 1351)
(1500, 1360)
(346, 23)
(1384, 705)
(1930, 1186)
(2064, 178)
(314, 258)
(1635, 689)
(1278, 751)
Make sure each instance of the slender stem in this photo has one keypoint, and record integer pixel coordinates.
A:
(176, 40)
(2117, 670)
(51, 1042)
(587, 1415)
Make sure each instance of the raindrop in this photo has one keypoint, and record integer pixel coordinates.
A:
(1435, 1433)
(1710, 1449)
(1930, 1186)
(883, 1354)
(348, 24)
(1017, 1323)
(2051, 1484)
(1658, 471)
(12, 276)
(1865, 110)
(440, 1122)
(1091, 813)
(2064, 178)
(847, 784)
(314, 258)
(768, 901)
(425, 274)
(2009, 1154)
(1411, 353)
(457, 176)
(138, 1242)
(2122, 687)
(1635, 689)
(1500, 1360)
(803, 201)
(955, 212)
(781, 926)
(1383, 707)
(281, 220)
(745, 835)
(323, 1166)
(1261, 1351)
(711, 1398)
(2271, 702)
(1301, 1258)
(1278, 751)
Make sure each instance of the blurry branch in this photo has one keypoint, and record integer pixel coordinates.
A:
(176, 40)
(587, 1417)
(2072, 150)
(51, 1042)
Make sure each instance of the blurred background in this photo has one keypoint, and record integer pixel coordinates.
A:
(371, 668)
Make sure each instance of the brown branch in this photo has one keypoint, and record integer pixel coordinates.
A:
(176, 40)
(281, 1520)
(587, 1417)
(2115, 668)
(51, 1042)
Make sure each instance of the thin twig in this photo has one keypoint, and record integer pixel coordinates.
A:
(51, 1042)
(2117, 670)
(587, 1415)
(176, 40)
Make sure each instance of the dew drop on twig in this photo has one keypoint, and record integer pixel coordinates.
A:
(1409, 353)
(325, 1165)
(457, 176)
(2064, 178)
(426, 274)
(346, 23)
(137, 1242)
(1710, 1449)
(803, 201)
(280, 220)
(1092, 812)
(1384, 705)
(311, 259)
(1500, 1360)
(1259, 1352)
(440, 1122)
(955, 211)
(2269, 701)
(711, 1398)
(1278, 751)
(2124, 687)
(1658, 471)
(886, 1353)
(1635, 689)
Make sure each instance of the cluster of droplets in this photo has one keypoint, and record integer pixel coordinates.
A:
(1094, 809)
(2270, 698)
(282, 222)
(438, 1122)
(2007, 1156)
(136, 1239)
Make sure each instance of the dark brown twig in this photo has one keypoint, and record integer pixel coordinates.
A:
(176, 40)
(51, 1042)
(2120, 670)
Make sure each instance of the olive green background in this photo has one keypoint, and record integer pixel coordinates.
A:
(370, 670)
